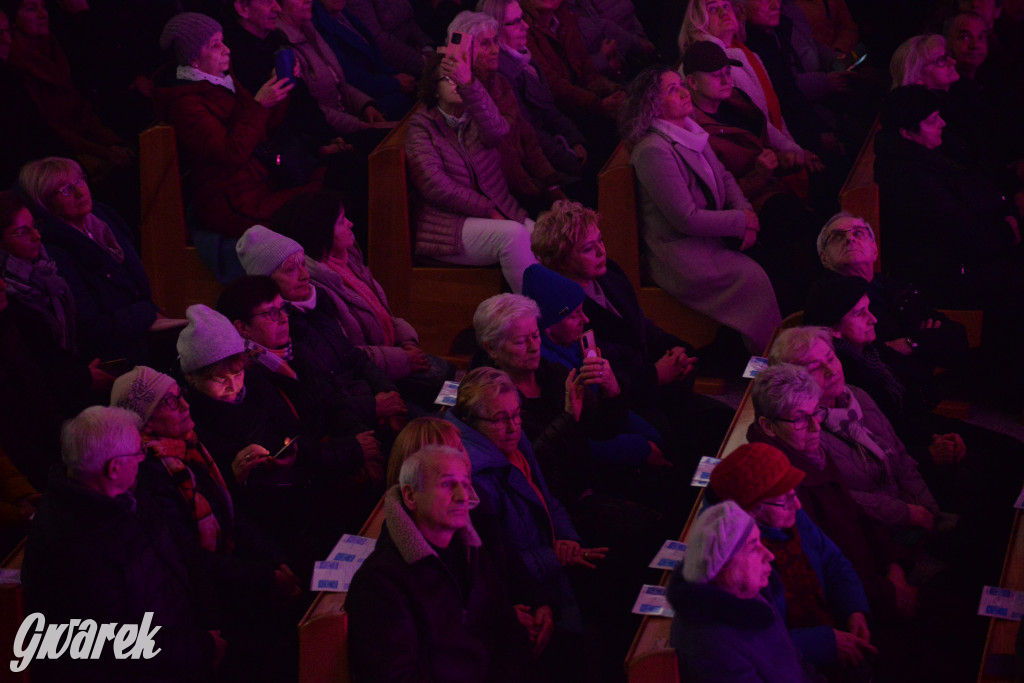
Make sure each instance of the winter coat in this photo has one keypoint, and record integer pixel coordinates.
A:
(556, 133)
(720, 638)
(576, 84)
(340, 102)
(392, 25)
(362, 327)
(509, 505)
(841, 586)
(113, 303)
(457, 175)
(218, 132)
(90, 556)
(831, 23)
(411, 620)
(882, 492)
(615, 19)
(684, 232)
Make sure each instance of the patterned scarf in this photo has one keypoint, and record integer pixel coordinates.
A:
(275, 360)
(38, 286)
(373, 302)
(867, 363)
(177, 456)
(805, 597)
(845, 420)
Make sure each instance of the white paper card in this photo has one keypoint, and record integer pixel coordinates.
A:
(1019, 503)
(703, 473)
(446, 397)
(10, 576)
(653, 602)
(670, 555)
(352, 547)
(755, 365)
(1001, 603)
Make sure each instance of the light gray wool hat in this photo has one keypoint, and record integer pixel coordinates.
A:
(208, 338)
(187, 33)
(262, 251)
(140, 390)
(717, 535)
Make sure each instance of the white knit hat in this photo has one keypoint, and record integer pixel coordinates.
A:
(719, 532)
(262, 251)
(140, 390)
(208, 338)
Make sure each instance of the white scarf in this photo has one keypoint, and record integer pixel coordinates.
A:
(190, 73)
(691, 136)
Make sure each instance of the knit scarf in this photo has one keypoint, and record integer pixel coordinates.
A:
(39, 287)
(805, 597)
(373, 302)
(190, 73)
(275, 360)
(868, 363)
(178, 457)
(524, 59)
(845, 420)
(694, 138)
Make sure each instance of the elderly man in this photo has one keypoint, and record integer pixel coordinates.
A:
(427, 604)
(95, 552)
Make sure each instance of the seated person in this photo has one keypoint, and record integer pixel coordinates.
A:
(427, 602)
(923, 60)
(614, 37)
(420, 432)
(462, 208)
(392, 24)
(831, 23)
(531, 178)
(787, 417)
(690, 206)
(18, 501)
(98, 552)
(321, 345)
(739, 138)
(92, 247)
(724, 629)
(562, 142)
(319, 224)
(655, 367)
(825, 608)
(362, 60)
(221, 129)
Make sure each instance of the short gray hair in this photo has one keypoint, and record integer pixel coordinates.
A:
(411, 473)
(40, 179)
(777, 390)
(472, 23)
(494, 315)
(792, 344)
(95, 436)
(480, 385)
(830, 225)
(908, 61)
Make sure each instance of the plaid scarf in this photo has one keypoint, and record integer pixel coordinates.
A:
(805, 597)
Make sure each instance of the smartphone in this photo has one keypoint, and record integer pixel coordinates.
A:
(859, 61)
(288, 443)
(284, 63)
(589, 346)
(459, 46)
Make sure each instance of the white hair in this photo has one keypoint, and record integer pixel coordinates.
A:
(95, 436)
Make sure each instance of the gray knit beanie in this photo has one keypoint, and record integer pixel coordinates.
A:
(140, 390)
(262, 251)
(208, 338)
(717, 535)
(187, 33)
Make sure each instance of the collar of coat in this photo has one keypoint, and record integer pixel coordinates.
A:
(406, 535)
(707, 602)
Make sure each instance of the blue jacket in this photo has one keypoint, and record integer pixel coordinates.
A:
(113, 302)
(844, 592)
(509, 505)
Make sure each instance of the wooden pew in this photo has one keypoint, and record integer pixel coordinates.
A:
(439, 301)
(323, 631)
(617, 202)
(177, 276)
(999, 657)
(12, 613)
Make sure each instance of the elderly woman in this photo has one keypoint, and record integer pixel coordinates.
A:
(821, 586)
(690, 205)
(715, 21)
(221, 129)
(464, 212)
(724, 629)
(318, 223)
(92, 247)
(958, 231)
(923, 60)
(183, 478)
(531, 178)
(534, 530)
(788, 417)
(560, 139)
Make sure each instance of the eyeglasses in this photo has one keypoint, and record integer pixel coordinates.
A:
(505, 419)
(172, 402)
(68, 188)
(275, 315)
(945, 59)
(515, 22)
(141, 453)
(787, 501)
(23, 231)
(859, 231)
(804, 421)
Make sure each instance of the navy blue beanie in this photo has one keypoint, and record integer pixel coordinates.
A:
(557, 295)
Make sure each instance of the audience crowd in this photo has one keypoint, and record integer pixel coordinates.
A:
(194, 469)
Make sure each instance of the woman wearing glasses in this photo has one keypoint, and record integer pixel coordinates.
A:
(823, 601)
(92, 247)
